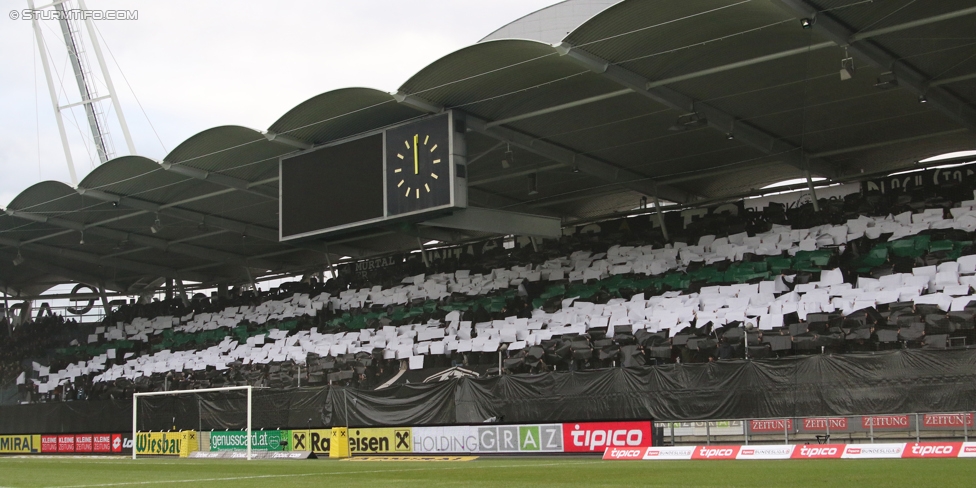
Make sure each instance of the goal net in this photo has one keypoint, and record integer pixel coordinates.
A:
(164, 422)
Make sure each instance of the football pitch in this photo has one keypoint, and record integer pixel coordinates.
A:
(77, 472)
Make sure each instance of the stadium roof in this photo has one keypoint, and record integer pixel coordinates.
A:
(689, 101)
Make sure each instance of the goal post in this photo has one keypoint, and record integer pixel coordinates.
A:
(135, 410)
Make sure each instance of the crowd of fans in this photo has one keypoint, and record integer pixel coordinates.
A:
(897, 324)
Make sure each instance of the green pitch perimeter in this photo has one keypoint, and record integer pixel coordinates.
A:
(25, 472)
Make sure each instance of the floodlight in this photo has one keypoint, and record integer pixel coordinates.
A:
(509, 157)
(846, 69)
(533, 184)
(688, 121)
(18, 260)
(922, 99)
(807, 23)
(886, 81)
(157, 225)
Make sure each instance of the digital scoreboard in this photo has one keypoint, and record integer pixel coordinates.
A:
(401, 172)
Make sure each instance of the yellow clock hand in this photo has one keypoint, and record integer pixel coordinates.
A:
(416, 162)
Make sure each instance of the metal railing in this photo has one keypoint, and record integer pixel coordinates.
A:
(839, 429)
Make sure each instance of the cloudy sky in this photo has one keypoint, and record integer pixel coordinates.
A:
(194, 65)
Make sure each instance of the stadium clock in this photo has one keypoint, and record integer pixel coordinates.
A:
(418, 166)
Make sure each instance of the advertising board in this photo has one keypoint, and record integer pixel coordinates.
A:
(932, 450)
(770, 425)
(314, 440)
(83, 443)
(766, 452)
(873, 451)
(439, 440)
(819, 451)
(715, 452)
(623, 454)
(521, 438)
(968, 450)
(261, 440)
(934, 421)
(20, 444)
(714, 427)
(669, 453)
(49, 444)
(66, 443)
(380, 440)
(487, 439)
(597, 436)
(885, 422)
(798, 451)
(159, 443)
(833, 424)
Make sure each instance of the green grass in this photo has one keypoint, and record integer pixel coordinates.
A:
(24, 472)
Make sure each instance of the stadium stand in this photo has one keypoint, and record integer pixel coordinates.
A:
(869, 272)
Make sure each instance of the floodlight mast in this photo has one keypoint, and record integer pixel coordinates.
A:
(135, 410)
(75, 45)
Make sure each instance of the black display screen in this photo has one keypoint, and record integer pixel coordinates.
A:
(332, 187)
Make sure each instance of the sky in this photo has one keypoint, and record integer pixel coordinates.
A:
(185, 66)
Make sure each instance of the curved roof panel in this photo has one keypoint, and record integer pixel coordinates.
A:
(230, 150)
(486, 70)
(127, 175)
(340, 113)
(48, 197)
(553, 23)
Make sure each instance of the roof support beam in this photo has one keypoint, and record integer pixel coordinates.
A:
(593, 193)
(674, 79)
(586, 164)
(860, 36)
(499, 222)
(717, 119)
(87, 257)
(250, 230)
(65, 272)
(891, 142)
(287, 141)
(143, 240)
(749, 62)
(560, 107)
(237, 227)
(219, 179)
(542, 168)
(954, 79)
(908, 76)
(145, 207)
(490, 199)
(567, 157)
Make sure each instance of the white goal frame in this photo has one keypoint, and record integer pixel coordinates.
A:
(135, 410)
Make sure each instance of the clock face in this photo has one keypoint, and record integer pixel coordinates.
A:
(418, 166)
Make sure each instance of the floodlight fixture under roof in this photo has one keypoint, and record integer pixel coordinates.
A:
(886, 81)
(688, 121)
(846, 68)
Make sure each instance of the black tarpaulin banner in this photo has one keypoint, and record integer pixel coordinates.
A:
(879, 383)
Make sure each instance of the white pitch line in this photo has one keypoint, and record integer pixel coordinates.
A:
(326, 473)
